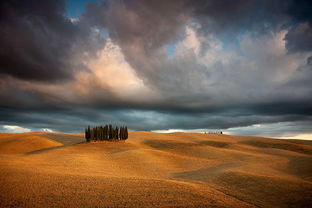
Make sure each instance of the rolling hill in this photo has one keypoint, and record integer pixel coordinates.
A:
(154, 170)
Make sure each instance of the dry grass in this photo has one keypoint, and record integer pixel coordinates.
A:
(154, 170)
(22, 143)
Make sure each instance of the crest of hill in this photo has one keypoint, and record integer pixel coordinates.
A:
(26, 142)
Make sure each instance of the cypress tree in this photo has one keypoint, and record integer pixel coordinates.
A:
(102, 133)
(113, 133)
(126, 133)
(86, 135)
(95, 133)
(116, 133)
(91, 135)
(120, 133)
(123, 133)
(105, 132)
(110, 132)
(98, 133)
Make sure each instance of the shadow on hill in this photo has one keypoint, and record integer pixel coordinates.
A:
(66, 139)
(305, 149)
(264, 190)
(50, 149)
(204, 174)
(301, 167)
(169, 144)
(215, 143)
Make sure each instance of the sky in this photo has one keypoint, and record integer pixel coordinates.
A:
(242, 67)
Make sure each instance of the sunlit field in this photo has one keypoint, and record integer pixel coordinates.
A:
(154, 170)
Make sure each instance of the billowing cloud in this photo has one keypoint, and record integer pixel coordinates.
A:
(204, 72)
(299, 38)
(38, 42)
(14, 129)
(157, 65)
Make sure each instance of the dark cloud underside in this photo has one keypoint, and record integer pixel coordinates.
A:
(38, 41)
(232, 64)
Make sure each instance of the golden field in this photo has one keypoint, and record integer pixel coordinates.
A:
(154, 170)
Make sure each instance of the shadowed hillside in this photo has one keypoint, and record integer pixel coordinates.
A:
(154, 170)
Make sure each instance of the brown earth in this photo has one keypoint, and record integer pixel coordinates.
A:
(154, 170)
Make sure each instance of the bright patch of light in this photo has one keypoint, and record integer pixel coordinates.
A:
(15, 129)
(298, 136)
(73, 20)
(46, 130)
(188, 130)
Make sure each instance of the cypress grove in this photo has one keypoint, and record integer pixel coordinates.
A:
(106, 133)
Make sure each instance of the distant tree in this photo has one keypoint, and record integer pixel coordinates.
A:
(103, 133)
(91, 135)
(110, 132)
(100, 133)
(107, 132)
(87, 134)
(113, 133)
(120, 133)
(95, 133)
(116, 133)
(126, 133)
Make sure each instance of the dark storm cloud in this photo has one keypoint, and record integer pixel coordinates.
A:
(38, 42)
(74, 120)
(299, 38)
(142, 28)
(238, 76)
(227, 18)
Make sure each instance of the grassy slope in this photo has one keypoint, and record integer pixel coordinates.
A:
(154, 170)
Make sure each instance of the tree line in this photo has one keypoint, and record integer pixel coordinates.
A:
(106, 133)
(213, 132)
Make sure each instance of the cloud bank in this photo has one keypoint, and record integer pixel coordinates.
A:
(157, 65)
